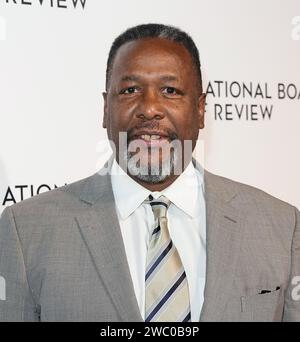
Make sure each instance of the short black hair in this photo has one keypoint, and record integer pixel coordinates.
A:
(154, 31)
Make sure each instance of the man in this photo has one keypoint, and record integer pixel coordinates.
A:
(157, 238)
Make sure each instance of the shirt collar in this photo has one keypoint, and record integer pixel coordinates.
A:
(129, 194)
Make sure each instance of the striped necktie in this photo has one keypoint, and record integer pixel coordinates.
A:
(166, 288)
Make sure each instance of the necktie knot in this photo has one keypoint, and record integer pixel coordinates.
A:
(159, 206)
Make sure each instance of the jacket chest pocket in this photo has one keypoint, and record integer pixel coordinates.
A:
(263, 307)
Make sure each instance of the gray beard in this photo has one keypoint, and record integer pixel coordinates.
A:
(151, 173)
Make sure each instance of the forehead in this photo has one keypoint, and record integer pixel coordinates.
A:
(151, 56)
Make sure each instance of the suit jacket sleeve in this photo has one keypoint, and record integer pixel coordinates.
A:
(17, 302)
(292, 299)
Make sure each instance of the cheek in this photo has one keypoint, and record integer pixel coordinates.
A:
(117, 119)
(186, 123)
(120, 113)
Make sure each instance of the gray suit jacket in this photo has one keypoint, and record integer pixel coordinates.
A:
(63, 259)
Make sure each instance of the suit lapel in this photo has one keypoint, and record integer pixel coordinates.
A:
(101, 232)
(224, 231)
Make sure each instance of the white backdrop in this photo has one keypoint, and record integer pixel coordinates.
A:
(52, 73)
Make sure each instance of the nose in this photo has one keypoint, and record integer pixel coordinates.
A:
(150, 106)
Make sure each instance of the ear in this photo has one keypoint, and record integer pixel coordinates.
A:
(201, 110)
(104, 122)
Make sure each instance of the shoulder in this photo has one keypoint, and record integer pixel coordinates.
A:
(53, 201)
(249, 199)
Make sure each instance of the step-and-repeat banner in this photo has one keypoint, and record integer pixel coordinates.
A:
(52, 73)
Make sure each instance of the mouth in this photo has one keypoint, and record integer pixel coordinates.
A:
(151, 138)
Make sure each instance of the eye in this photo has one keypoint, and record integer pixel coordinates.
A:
(129, 90)
(171, 91)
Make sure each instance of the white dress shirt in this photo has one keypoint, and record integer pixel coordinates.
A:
(186, 222)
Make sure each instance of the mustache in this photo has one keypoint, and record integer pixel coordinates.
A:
(170, 133)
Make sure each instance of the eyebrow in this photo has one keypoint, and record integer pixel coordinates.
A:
(130, 78)
(167, 78)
